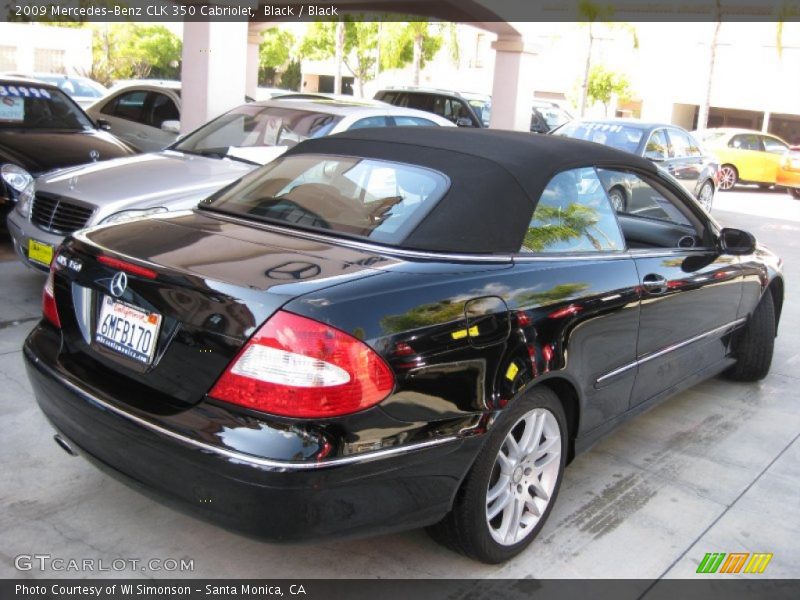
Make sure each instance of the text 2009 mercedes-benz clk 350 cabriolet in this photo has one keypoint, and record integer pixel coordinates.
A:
(384, 330)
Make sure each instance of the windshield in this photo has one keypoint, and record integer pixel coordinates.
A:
(75, 86)
(32, 107)
(553, 116)
(483, 108)
(374, 199)
(256, 127)
(616, 135)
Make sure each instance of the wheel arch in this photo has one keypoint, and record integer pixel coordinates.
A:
(568, 394)
(776, 287)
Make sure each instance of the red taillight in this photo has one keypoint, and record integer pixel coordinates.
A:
(126, 266)
(297, 367)
(49, 309)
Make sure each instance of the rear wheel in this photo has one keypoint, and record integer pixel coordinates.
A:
(512, 486)
(706, 195)
(728, 176)
(753, 345)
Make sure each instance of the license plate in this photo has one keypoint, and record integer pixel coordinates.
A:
(128, 330)
(40, 252)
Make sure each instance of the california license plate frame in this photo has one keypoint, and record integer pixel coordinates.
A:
(128, 330)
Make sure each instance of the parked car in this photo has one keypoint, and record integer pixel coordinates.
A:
(389, 329)
(546, 116)
(672, 148)
(41, 128)
(83, 90)
(461, 108)
(144, 113)
(178, 177)
(789, 172)
(745, 156)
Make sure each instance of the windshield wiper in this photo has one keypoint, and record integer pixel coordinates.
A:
(216, 153)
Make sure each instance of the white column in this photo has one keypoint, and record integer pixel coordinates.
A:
(765, 123)
(213, 71)
(513, 85)
(251, 83)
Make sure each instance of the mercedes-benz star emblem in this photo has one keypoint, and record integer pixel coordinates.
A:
(94, 155)
(293, 271)
(119, 284)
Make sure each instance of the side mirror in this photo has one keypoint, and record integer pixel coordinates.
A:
(103, 125)
(464, 122)
(736, 241)
(171, 126)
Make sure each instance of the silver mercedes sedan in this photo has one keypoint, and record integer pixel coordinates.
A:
(178, 177)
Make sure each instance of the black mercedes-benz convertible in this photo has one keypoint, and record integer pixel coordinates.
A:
(389, 329)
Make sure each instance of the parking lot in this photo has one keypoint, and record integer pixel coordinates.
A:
(715, 469)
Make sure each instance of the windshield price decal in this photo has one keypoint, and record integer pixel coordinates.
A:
(23, 91)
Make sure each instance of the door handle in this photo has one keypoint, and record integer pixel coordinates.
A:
(654, 283)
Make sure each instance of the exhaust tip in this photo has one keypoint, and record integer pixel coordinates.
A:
(64, 445)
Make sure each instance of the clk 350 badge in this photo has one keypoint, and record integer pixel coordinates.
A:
(70, 263)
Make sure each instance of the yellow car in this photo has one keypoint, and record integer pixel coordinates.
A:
(789, 173)
(745, 156)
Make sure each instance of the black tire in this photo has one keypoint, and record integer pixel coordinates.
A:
(794, 193)
(753, 345)
(764, 186)
(618, 199)
(465, 529)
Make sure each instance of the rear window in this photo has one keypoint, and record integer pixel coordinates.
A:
(379, 200)
(621, 137)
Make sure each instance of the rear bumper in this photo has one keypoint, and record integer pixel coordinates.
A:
(259, 496)
(788, 178)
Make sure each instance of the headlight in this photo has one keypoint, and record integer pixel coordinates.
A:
(126, 215)
(17, 178)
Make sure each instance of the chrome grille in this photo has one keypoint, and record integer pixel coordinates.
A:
(59, 215)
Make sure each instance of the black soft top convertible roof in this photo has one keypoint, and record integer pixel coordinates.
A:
(496, 177)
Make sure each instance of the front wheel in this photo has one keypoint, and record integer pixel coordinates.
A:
(753, 345)
(706, 195)
(728, 176)
(618, 199)
(508, 494)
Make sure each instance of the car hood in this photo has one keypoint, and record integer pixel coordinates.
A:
(63, 148)
(163, 178)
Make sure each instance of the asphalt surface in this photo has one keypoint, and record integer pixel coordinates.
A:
(715, 469)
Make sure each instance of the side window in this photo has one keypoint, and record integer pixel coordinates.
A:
(419, 101)
(746, 141)
(388, 97)
(774, 146)
(403, 121)
(462, 111)
(161, 109)
(650, 216)
(683, 145)
(657, 146)
(129, 106)
(370, 122)
(573, 214)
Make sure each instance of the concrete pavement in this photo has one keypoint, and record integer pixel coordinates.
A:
(715, 469)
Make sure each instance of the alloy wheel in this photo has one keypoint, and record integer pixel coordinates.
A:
(727, 177)
(524, 477)
(706, 195)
